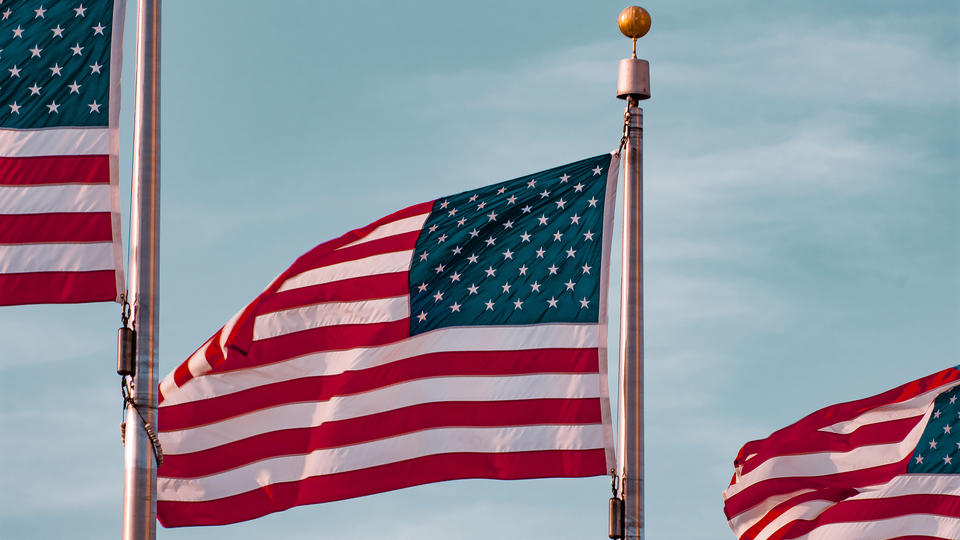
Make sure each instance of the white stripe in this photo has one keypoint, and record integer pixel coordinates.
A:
(479, 338)
(298, 319)
(913, 484)
(401, 226)
(383, 263)
(44, 199)
(909, 525)
(405, 394)
(382, 452)
(54, 142)
(56, 257)
(805, 510)
(821, 463)
(746, 519)
(914, 406)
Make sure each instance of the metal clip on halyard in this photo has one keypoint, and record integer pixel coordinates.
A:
(126, 368)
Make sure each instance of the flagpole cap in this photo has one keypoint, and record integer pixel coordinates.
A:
(634, 22)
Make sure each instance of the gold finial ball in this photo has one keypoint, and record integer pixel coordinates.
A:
(634, 22)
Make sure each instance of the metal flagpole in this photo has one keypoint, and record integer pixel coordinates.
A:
(633, 85)
(140, 452)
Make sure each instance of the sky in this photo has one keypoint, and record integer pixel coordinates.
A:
(802, 225)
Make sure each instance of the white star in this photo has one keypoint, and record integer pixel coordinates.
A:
(490, 241)
(564, 178)
(438, 297)
(597, 171)
(570, 284)
(525, 237)
(461, 221)
(518, 304)
(588, 236)
(544, 194)
(15, 109)
(439, 268)
(422, 316)
(489, 305)
(542, 219)
(507, 254)
(492, 216)
(81, 11)
(491, 271)
(586, 269)
(561, 203)
(526, 209)
(953, 399)
(422, 287)
(452, 212)
(57, 32)
(444, 204)
(508, 224)
(535, 287)
(472, 258)
(455, 307)
(557, 236)
(74, 88)
(6, 14)
(53, 107)
(55, 70)
(456, 250)
(936, 413)
(474, 233)
(473, 288)
(442, 239)
(523, 270)
(18, 32)
(472, 198)
(98, 29)
(39, 13)
(531, 183)
(592, 202)
(946, 430)
(433, 228)
(578, 188)
(933, 444)
(34, 90)
(947, 460)
(482, 205)
(575, 219)
(552, 269)
(552, 301)
(455, 277)
(571, 252)
(501, 191)
(95, 68)
(584, 303)
(14, 71)
(35, 51)
(506, 287)
(919, 460)
(511, 200)
(423, 256)
(540, 253)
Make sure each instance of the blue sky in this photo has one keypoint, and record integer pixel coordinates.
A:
(802, 233)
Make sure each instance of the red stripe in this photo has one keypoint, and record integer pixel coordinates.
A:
(866, 510)
(381, 426)
(413, 472)
(363, 288)
(322, 388)
(820, 441)
(328, 338)
(759, 491)
(57, 287)
(833, 495)
(35, 170)
(55, 227)
(390, 244)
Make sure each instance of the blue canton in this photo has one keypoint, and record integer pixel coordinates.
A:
(55, 63)
(524, 251)
(939, 449)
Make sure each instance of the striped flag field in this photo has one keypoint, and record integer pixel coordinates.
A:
(460, 338)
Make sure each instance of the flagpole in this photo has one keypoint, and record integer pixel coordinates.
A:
(633, 85)
(140, 464)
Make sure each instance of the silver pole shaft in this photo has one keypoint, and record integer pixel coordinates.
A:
(631, 329)
(140, 470)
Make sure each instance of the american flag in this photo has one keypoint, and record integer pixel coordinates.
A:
(59, 109)
(460, 338)
(887, 466)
